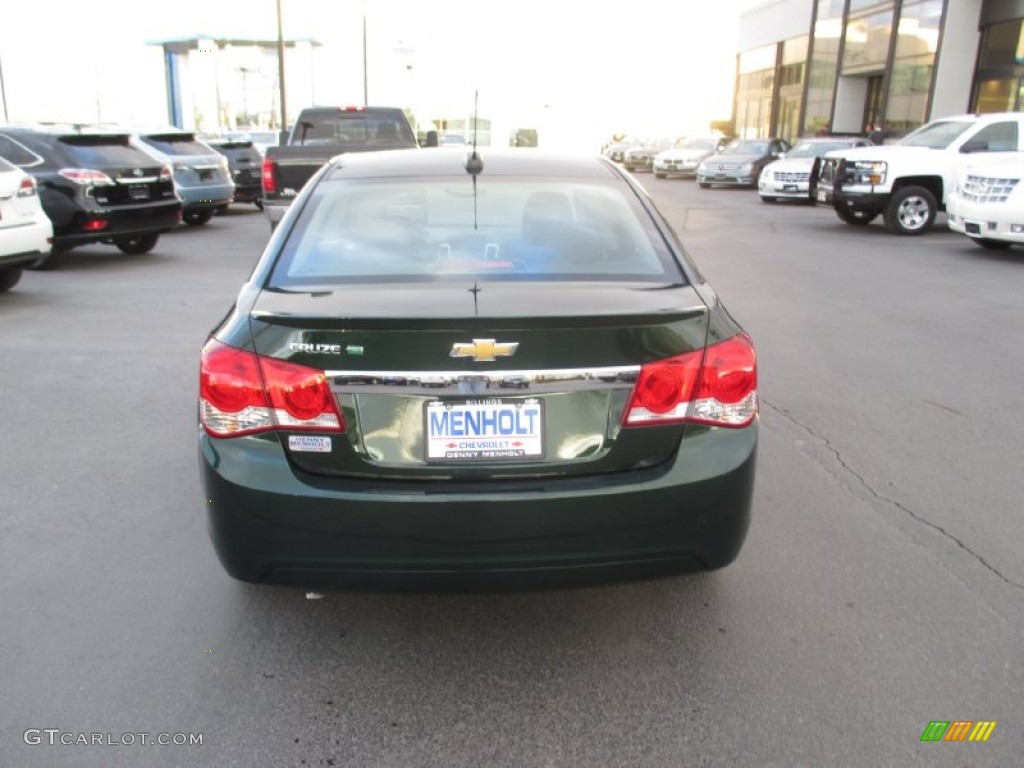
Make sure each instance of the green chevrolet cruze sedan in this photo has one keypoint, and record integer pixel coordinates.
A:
(461, 368)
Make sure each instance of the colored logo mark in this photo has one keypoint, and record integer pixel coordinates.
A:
(958, 730)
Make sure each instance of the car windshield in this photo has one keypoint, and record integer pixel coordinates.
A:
(746, 148)
(816, 148)
(448, 139)
(702, 144)
(937, 135)
(441, 229)
(178, 145)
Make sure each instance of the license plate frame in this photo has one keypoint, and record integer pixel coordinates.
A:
(138, 192)
(461, 440)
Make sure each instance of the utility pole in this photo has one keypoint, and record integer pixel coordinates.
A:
(280, 75)
(366, 90)
(3, 91)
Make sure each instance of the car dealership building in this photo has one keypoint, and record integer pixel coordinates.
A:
(810, 66)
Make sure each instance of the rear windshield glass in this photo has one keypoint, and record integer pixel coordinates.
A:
(174, 145)
(439, 229)
(356, 129)
(104, 151)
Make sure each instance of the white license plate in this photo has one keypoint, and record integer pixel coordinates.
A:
(789, 187)
(493, 429)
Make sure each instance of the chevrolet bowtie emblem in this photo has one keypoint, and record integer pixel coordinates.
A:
(484, 350)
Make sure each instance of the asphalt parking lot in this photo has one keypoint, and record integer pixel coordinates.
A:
(880, 587)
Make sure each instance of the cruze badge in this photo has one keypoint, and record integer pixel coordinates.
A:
(484, 350)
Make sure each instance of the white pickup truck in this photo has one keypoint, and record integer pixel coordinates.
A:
(908, 182)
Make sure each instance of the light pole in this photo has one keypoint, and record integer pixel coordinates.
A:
(280, 76)
(3, 90)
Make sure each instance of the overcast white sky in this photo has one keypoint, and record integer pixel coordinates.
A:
(646, 65)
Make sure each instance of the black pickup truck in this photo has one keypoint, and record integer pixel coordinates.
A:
(319, 134)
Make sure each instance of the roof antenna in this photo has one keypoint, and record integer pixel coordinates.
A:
(474, 165)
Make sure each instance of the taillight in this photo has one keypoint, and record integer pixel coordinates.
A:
(27, 188)
(268, 173)
(241, 393)
(715, 386)
(300, 396)
(166, 174)
(86, 177)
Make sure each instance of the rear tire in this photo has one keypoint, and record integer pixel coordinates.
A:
(703, 185)
(137, 245)
(992, 245)
(766, 199)
(196, 218)
(911, 211)
(856, 218)
(9, 278)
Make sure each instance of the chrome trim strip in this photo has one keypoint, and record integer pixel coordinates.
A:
(136, 179)
(433, 383)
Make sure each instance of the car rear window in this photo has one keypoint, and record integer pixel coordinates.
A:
(177, 145)
(441, 229)
(96, 151)
(356, 128)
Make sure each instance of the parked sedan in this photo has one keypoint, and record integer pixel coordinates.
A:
(94, 186)
(25, 231)
(488, 369)
(202, 177)
(683, 157)
(615, 150)
(789, 177)
(740, 163)
(641, 156)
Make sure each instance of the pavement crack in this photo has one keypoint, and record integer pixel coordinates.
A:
(885, 499)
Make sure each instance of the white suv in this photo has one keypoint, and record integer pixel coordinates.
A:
(908, 183)
(987, 203)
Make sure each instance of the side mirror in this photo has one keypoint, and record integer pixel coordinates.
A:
(431, 139)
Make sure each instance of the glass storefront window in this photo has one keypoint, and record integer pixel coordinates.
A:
(998, 95)
(917, 40)
(754, 103)
(821, 68)
(1002, 46)
(757, 59)
(867, 43)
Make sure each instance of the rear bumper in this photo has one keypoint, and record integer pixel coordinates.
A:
(275, 210)
(206, 196)
(269, 522)
(25, 243)
(128, 222)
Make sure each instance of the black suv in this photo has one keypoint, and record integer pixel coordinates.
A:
(94, 185)
(244, 161)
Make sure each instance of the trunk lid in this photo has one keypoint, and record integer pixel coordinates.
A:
(466, 381)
